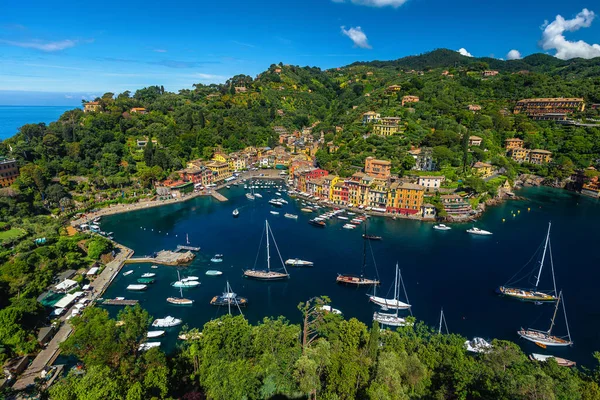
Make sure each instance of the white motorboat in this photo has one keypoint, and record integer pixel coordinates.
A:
(274, 213)
(137, 287)
(342, 217)
(154, 334)
(329, 309)
(127, 273)
(148, 275)
(166, 322)
(190, 278)
(148, 346)
(185, 282)
(213, 272)
(349, 226)
(390, 319)
(477, 231)
(236, 213)
(478, 345)
(295, 262)
(442, 227)
(291, 216)
(258, 195)
(275, 203)
(278, 194)
(563, 362)
(249, 196)
(154, 267)
(217, 258)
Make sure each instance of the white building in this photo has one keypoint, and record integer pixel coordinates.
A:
(431, 183)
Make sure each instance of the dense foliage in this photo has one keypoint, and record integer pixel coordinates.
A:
(235, 360)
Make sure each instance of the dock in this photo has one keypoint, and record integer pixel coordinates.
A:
(218, 196)
(188, 248)
(165, 257)
(117, 302)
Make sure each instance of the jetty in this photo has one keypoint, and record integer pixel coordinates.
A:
(218, 196)
(188, 248)
(165, 257)
(119, 302)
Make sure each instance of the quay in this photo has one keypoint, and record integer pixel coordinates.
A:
(218, 196)
(189, 248)
(165, 257)
(117, 302)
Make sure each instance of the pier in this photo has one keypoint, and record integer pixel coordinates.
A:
(165, 257)
(218, 196)
(188, 248)
(117, 302)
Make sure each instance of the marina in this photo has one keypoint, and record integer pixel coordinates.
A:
(435, 265)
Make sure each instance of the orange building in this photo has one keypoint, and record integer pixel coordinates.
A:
(513, 143)
(92, 106)
(8, 171)
(549, 108)
(405, 198)
(377, 168)
(410, 99)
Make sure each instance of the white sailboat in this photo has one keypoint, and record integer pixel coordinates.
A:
(443, 320)
(392, 319)
(544, 339)
(268, 274)
(533, 294)
(185, 282)
(180, 301)
(395, 303)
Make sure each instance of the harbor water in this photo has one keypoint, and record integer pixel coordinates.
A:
(449, 269)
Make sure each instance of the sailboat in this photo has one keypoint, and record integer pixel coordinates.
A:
(228, 298)
(250, 196)
(268, 274)
(533, 294)
(349, 279)
(185, 282)
(180, 301)
(443, 319)
(394, 303)
(544, 339)
(392, 319)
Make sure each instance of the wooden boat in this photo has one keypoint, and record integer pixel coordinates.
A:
(268, 274)
(533, 294)
(563, 362)
(350, 279)
(546, 338)
(180, 301)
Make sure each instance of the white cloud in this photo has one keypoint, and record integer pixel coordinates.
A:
(553, 37)
(357, 36)
(43, 46)
(464, 52)
(375, 3)
(513, 55)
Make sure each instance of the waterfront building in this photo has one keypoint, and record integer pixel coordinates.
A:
(174, 188)
(370, 116)
(329, 182)
(405, 198)
(91, 106)
(518, 154)
(549, 108)
(475, 141)
(387, 126)
(377, 194)
(340, 193)
(409, 99)
(423, 159)
(314, 187)
(428, 211)
(378, 168)
(513, 143)
(193, 174)
(431, 183)
(358, 188)
(483, 170)
(9, 171)
(591, 188)
(219, 169)
(455, 205)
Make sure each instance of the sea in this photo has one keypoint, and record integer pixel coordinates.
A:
(13, 117)
(451, 269)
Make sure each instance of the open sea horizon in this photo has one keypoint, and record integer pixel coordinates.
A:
(14, 117)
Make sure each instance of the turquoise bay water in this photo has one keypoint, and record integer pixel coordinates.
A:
(13, 117)
(452, 269)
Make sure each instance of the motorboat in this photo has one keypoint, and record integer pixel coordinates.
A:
(166, 322)
(127, 273)
(258, 195)
(317, 223)
(278, 194)
(275, 202)
(349, 226)
(342, 217)
(185, 282)
(295, 262)
(477, 231)
(148, 346)
(148, 275)
(441, 227)
(146, 280)
(212, 272)
(180, 301)
(329, 309)
(137, 288)
(306, 209)
(563, 362)
(249, 196)
(390, 319)
(217, 258)
(154, 267)
(478, 345)
(235, 213)
(274, 213)
(291, 216)
(155, 334)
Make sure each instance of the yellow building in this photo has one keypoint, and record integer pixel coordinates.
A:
(220, 157)
(409, 99)
(387, 126)
(92, 106)
(538, 108)
(220, 170)
(538, 156)
(519, 154)
(482, 169)
(377, 195)
(513, 143)
(405, 198)
(329, 183)
(393, 88)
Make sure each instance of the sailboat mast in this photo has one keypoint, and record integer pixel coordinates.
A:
(268, 253)
(555, 311)
(228, 298)
(441, 317)
(364, 264)
(539, 275)
(396, 290)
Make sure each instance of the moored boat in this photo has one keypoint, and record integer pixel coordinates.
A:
(349, 226)
(329, 309)
(372, 237)
(137, 288)
(274, 212)
(306, 209)
(154, 334)
(212, 272)
(127, 273)
(296, 262)
(268, 274)
(185, 282)
(441, 227)
(477, 231)
(217, 258)
(166, 322)
(180, 301)
(148, 345)
(229, 298)
(320, 224)
(291, 216)
(563, 362)
(546, 338)
(148, 275)
(258, 195)
(390, 319)
(395, 303)
(146, 280)
(478, 345)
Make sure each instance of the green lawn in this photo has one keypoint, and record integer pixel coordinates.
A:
(11, 234)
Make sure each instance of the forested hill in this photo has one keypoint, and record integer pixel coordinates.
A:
(444, 58)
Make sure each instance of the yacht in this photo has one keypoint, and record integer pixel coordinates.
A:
(137, 288)
(563, 362)
(329, 309)
(127, 273)
(148, 275)
(217, 258)
(295, 262)
(166, 322)
(180, 301)
(477, 231)
(236, 213)
(186, 282)
(258, 195)
(275, 202)
(478, 345)
(349, 226)
(291, 216)
(155, 334)
(390, 319)
(318, 223)
(274, 212)
(148, 346)
(229, 298)
(213, 272)
(442, 227)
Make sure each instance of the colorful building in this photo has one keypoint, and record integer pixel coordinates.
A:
(431, 183)
(387, 126)
(370, 116)
(549, 108)
(9, 171)
(377, 194)
(409, 99)
(483, 170)
(219, 169)
(455, 205)
(405, 198)
(513, 143)
(475, 141)
(378, 168)
(91, 106)
(340, 193)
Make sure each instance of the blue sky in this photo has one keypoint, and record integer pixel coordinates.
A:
(76, 48)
